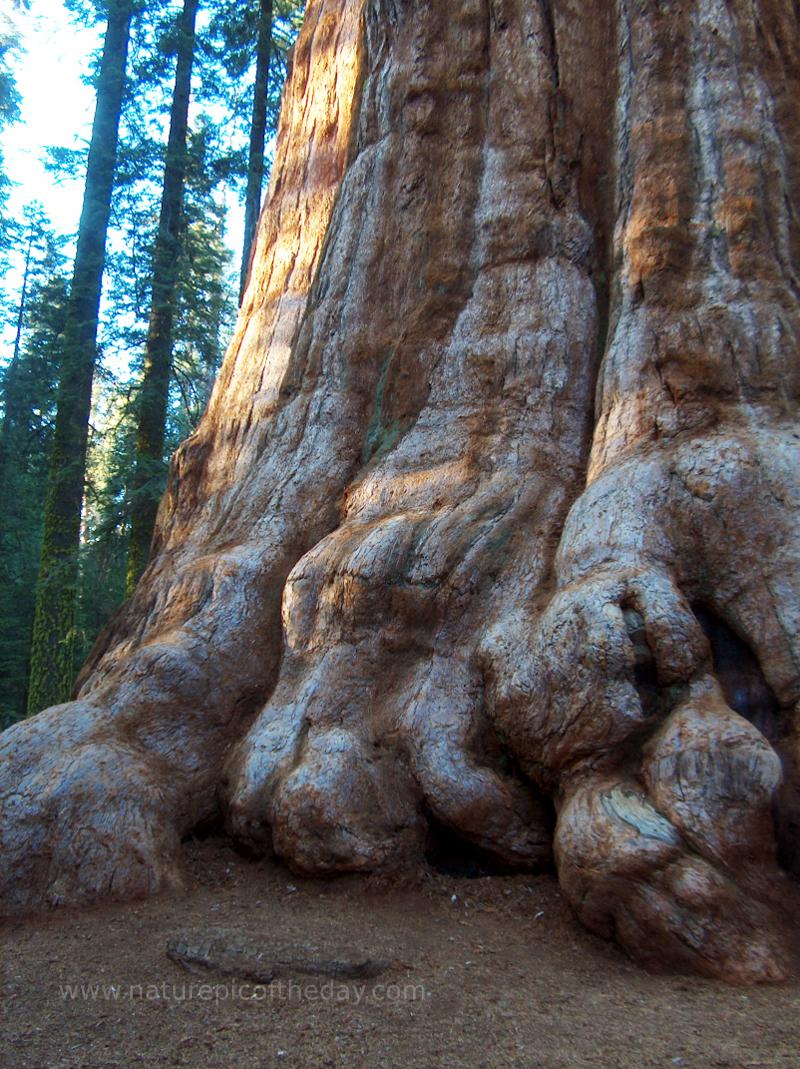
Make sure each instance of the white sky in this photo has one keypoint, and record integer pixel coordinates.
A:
(57, 109)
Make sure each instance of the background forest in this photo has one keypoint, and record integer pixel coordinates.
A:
(113, 332)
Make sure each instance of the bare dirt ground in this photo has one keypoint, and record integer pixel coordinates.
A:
(486, 972)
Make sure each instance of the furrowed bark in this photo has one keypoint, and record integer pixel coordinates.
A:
(491, 525)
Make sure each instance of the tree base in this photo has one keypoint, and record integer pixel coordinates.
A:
(473, 536)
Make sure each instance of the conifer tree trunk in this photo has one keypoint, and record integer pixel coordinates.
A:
(492, 520)
(258, 131)
(52, 659)
(10, 381)
(148, 477)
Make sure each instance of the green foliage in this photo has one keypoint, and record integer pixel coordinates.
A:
(206, 304)
(29, 383)
(229, 47)
(204, 313)
(9, 44)
(203, 319)
(9, 113)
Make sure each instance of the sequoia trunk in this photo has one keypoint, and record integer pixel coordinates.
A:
(495, 502)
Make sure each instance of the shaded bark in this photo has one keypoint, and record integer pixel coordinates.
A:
(258, 132)
(52, 659)
(505, 441)
(154, 393)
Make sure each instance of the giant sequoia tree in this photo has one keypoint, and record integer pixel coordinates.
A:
(495, 504)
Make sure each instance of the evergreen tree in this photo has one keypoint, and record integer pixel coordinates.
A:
(206, 307)
(9, 110)
(253, 39)
(201, 309)
(28, 384)
(52, 649)
(158, 350)
(205, 310)
(258, 133)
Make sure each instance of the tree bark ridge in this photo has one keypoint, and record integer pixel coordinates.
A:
(507, 430)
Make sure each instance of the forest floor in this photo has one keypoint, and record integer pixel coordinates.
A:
(486, 972)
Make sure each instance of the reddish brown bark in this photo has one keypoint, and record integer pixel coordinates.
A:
(495, 502)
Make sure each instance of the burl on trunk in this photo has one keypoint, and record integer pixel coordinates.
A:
(492, 521)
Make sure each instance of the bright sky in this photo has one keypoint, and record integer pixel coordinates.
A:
(57, 109)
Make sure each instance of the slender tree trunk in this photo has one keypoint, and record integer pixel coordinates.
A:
(493, 520)
(11, 380)
(52, 661)
(23, 297)
(154, 395)
(258, 131)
